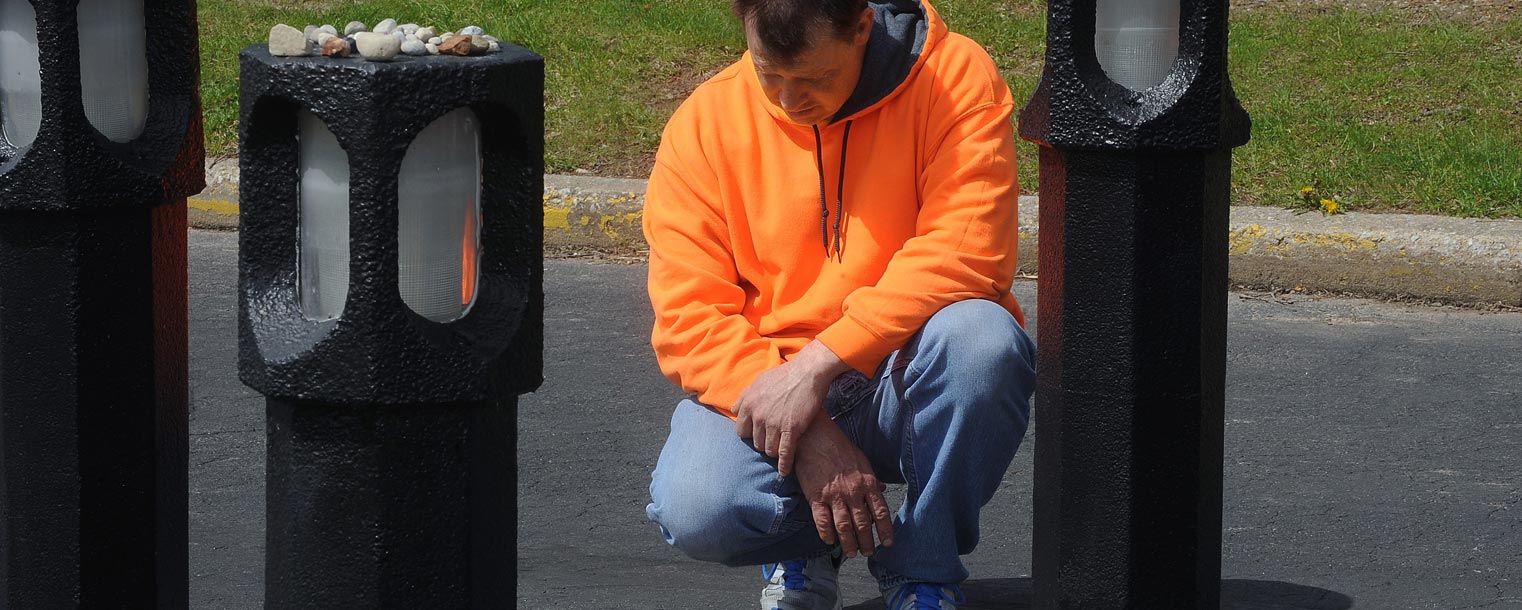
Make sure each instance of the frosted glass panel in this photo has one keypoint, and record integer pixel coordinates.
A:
(20, 77)
(113, 66)
(439, 196)
(1137, 40)
(324, 174)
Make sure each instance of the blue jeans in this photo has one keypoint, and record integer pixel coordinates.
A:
(944, 417)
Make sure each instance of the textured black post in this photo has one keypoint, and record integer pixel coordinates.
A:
(392, 465)
(93, 398)
(1135, 191)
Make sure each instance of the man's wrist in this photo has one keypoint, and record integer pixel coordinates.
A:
(818, 359)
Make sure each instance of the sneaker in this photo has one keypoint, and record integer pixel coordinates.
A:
(812, 584)
(924, 596)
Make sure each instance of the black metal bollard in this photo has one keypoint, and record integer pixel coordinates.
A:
(1135, 195)
(392, 441)
(101, 145)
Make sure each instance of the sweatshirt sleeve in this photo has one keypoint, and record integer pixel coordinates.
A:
(965, 238)
(702, 340)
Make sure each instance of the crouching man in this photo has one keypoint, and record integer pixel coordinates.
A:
(832, 225)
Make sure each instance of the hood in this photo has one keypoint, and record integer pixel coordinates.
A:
(901, 35)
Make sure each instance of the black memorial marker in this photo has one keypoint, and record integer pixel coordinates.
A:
(1135, 195)
(102, 144)
(392, 466)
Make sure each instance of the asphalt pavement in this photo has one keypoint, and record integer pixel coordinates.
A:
(1373, 459)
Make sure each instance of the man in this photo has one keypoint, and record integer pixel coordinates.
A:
(839, 329)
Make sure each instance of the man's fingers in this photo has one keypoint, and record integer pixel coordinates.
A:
(882, 517)
(773, 442)
(743, 425)
(758, 436)
(824, 522)
(843, 528)
(785, 453)
(863, 521)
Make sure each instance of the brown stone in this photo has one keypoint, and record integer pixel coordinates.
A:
(337, 47)
(456, 45)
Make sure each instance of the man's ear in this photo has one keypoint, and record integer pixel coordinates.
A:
(864, 26)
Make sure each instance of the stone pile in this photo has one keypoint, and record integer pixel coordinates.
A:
(382, 43)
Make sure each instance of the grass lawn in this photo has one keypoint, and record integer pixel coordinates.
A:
(1385, 110)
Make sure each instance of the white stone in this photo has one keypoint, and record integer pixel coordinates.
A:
(491, 38)
(435, 41)
(495, 46)
(329, 29)
(310, 33)
(324, 37)
(414, 48)
(425, 33)
(287, 41)
(472, 31)
(447, 35)
(385, 27)
(355, 27)
(409, 28)
(377, 47)
(433, 49)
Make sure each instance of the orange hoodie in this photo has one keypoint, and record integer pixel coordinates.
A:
(743, 219)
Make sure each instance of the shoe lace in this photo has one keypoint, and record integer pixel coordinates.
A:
(926, 596)
(793, 578)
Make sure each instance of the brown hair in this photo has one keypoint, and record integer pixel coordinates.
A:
(785, 27)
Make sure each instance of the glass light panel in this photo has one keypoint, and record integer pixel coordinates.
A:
(20, 74)
(1137, 40)
(439, 194)
(324, 193)
(113, 66)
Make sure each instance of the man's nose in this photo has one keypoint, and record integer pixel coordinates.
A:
(792, 98)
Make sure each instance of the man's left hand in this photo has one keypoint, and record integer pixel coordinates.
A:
(776, 409)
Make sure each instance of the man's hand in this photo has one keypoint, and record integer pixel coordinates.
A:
(846, 498)
(779, 405)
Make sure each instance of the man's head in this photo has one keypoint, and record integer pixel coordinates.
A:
(808, 53)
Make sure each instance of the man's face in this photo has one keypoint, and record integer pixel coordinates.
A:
(817, 82)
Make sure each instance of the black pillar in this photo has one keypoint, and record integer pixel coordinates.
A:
(93, 396)
(392, 473)
(1135, 196)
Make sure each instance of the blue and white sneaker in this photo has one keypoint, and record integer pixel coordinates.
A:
(812, 584)
(924, 596)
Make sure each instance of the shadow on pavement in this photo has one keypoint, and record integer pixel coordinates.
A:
(1015, 594)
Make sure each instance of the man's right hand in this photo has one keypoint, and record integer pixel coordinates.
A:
(845, 496)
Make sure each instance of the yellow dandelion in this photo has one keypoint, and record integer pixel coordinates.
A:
(1307, 190)
(1330, 207)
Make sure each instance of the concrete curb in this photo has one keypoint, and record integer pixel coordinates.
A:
(1390, 256)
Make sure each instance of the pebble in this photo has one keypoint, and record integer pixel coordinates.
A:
(287, 41)
(491, 38)
(479, 45)
(336, 47)
(459, 45)
(414, 48)
(355, 27)
(496, 46)
(447, 35)
(409, 28)
(385, 27)
(472, 31)
(435, 41)
(426, 34)
(310, 33)
(433, 49)
(329, 29)
(323, 38)
(378, 47)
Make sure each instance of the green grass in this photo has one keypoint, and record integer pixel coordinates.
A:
(1383, 112)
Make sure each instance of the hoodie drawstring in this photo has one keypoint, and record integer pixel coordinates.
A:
(840, 193)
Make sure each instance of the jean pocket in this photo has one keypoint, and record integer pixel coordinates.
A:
(846, 392)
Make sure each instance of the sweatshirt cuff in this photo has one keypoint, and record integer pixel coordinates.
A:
(855, 344)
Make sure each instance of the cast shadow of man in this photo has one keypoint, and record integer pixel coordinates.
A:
(1015, 594)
